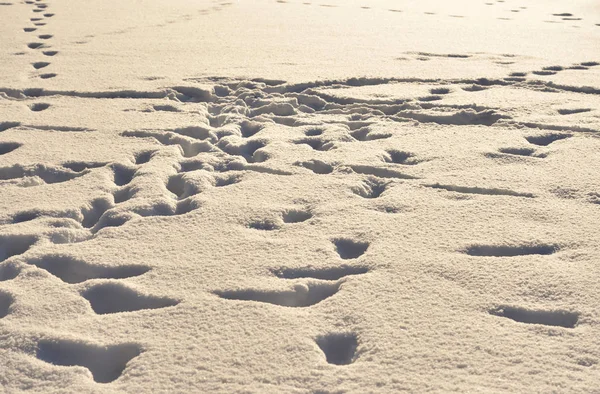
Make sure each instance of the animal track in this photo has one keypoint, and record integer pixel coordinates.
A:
(548, 318)
(71, 270)
(510, 251)
(106, 363)
(301, 296)
(7, 147)
(329, 273)
(339, 348)
(479, 190)
(113, 297)
(350, 249)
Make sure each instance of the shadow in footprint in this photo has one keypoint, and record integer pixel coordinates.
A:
(112, 297)
(546, 139)
(301, 296)
(8, 125)
(6, 300)
(400, 157)
(106, 363)
(72, 270)
(144, 157)
(296, 216)
(316, 166)
(339, 348)
(48, 76)
(371, 188)
(14, 245)
(37, 107)
(350, 249)
(9, 272)
(38, 65)
(79, 166)
(7, 147)
(329, 273)
(548, 318)
(122, 175)
(510, 251)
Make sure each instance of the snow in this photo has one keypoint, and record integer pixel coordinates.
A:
(298, 196)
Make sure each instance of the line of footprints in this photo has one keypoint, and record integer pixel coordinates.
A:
(40, 9)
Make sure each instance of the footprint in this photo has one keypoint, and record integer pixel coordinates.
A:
(38, 65)
(437, 91)
(92, 213)
(50, 53)
(14, 245)
(264, 225)
(7, 147)
(573, 111)
(106, 363)
(510, 251)
(366, 134)
(480, 190)
(113, 297)
(45, 36)
(517, 151)
(144, 157)
(48, 15)
(37, 107)
(249, 128)
(122, 195)
(71, 270)
(247, 150)
(79, 166)
(350, 249)
(296, 216)
(316, 144)
(227, 180)
(371, 188)
(316, 166)
(181, 187)
(29, 29)
(48, 76)
(401, 157)
(122, 175)
(339, 348)
(8, 125)
(301, 296)
(6, 300)
(314, 131)
(9, 271)
(548, 318)
(329, 273)
(35, 45)
(546, 139)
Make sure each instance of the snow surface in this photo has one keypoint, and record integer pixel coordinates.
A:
(298, 196)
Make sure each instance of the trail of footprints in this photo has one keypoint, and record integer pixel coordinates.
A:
(41, 41)
(237, 147)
